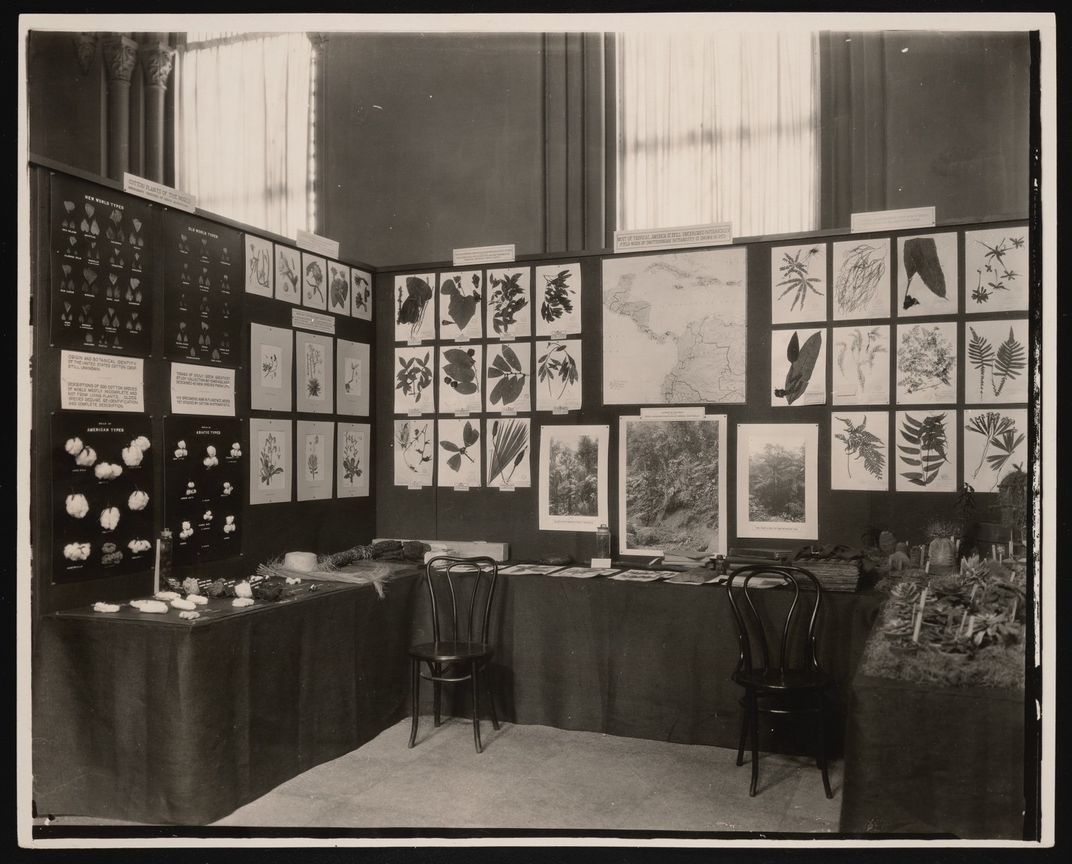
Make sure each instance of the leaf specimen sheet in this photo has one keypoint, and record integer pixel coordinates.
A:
(859, 450)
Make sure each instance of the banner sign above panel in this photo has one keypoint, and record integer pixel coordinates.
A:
(484, 254)
(317, 321)
(892, 220)
(315, 243)
(679, 237)
(158, 192)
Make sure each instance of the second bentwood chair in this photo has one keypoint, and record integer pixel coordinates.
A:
(794, 682)
(454, 654)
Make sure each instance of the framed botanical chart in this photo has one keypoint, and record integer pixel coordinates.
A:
(313, 360)
(861, 279)
(798, 283)
(927, 363)
(778, 480)
(860, 450)
(271, 350)
(270, 475)
(926, 448)
(861, 364)
(352, 468)
(927, 275)
(557, 305)
(315, 452)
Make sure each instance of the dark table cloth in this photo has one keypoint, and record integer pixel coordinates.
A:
(923, 759)
(160, 720)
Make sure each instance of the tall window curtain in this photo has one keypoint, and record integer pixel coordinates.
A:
(718, 127)
(244, 127)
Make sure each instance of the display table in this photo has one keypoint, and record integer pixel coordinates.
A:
(645, 660)
(160, 720)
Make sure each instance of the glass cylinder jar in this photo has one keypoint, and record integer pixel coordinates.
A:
(603, 542)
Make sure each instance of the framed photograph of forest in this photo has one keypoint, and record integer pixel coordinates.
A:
(673, 474)
(778, 480)
(573, 477)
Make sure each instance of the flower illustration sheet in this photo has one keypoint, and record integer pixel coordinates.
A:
(361, 294)
(926, 447)
(460, 449)
(351, 378)
(861, 279)
(927, 275)
(995, 362)
(798, 367)
(313, 361)
(926, 363)
(414, 305)
(270, 478)
(314, 277)
(995, 444)
(798, 283)
(271, 351)
(859, 450)
(352, 470)
(414, 452)
(260, 269)
(315, 468)
(461, 305)
(461, 369)
(509, 303)
(557, 304)
(288, 274)
(995, 270)
(509, 453)
(778, 480)
(573, 477)
(673, 485)
(558, 375)
(861, 365)
(338, 288)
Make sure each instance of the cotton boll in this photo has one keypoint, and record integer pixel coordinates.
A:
(241, 602)
(132, 456)
(73, 446)
(227, 489)
(107, 471)
(181, 445)
(83, 550)
(109, 518)
(197, 599)
(207, 516)
(243, 589)
(77, 506)
(141, 442)
(210, 461)
(166, 595)
(185, 605)
(105, 607)
(152, 607)
(179, 453)
(86, 457)
(210, 450)
(76, 551)
(190, 616)
(138, 500)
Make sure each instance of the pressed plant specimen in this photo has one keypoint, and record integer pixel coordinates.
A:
(862, 446)
(920, 256)
(414, 375)
(462, 306)
(351, 457)
(258, 266)
(512, 378)
(1006, 364)
(507, 299)
(801, 364)
(412, 305)
(509, 446)
(999, 432)
(339, 288)
(459, 372)
(998, 275)
(314, 279)
(289, 273)
(557, 296)
(362, 290)
(470, 436)
(415, 445)
(270, 459)
(925, 359)
(861, 350)
(924, 450)
(794, 272)
(557, 363)
(861, 271)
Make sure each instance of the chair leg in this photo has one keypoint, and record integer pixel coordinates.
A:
(753, 711)
(744, 731)
(437, 701)
(491, 699)
(476, 707)
(822, 746)
(415, 699)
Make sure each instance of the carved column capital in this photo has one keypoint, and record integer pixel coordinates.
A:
(85, 46)
(156, 61)
(120, 55)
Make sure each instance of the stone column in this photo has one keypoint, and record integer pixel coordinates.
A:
(120, 54)
(156, 60)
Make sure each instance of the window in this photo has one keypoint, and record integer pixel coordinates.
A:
(244, 127)
(719, 127)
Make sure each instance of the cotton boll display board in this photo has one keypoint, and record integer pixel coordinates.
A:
(204, 486)
(102, 494)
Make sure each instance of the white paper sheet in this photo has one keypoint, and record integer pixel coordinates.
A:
(557, 301)
(314, 277)
(573, 477)
(460, 446)
(260, 268)
(509, 453)
(460, 375)
(461, 305)
(288, 274)
(778, 480)
(414, 380)
(270, 477)
(360, 294)
(860, 286)
(859, 450)
(925, 442)
(508, 303)
(861, 365)
(995, 270)
(798, 283)
(931, 258)
(271, 352)
(202, 390)
(338, 288)
(314, 368)
(352, 460)
(786, 375)
(351, 378)
(414, 449)
(315, 449)
(995, 362)
(101, 382)
(508, 373)
(927, 363)
(415, 307)
(558, 380)
(995, 442)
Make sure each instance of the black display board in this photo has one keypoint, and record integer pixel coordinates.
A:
(101, 269)
(203, 281)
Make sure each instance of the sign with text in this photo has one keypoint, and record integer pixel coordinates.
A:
(101, 382)
(159, 193)
(484, 254)
(680, 237)
(672, 412)
(202, 390)
(317, 321)
(315, 243)
(892, 220)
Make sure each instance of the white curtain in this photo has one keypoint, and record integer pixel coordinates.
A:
(244, 127)
(719, 127)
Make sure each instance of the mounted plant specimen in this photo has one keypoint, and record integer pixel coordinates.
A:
(314, 481)
(413, 294)
(414, 449)
(314, 371)
(461, 318)
(926, 451)
(459, 453)
(999, 359)
(353, 459)
(558, 295)
(508, 302)
(861, 365)
(315, 388)
(272, 464)
(511, 373)
(927, 363)
(508, 453)
(258, 265)
(798, 283)
(860, 443)
(998, 440)
(862, 284)
(928, 270)
(805, 377)
(459, 379)
(314, 277)
(998, 260)
(558, 374)
(413, 376)
(361, 294)
(287, 274)
(339, 287)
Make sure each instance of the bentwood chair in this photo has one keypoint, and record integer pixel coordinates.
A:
(791, 681)
(455, 655)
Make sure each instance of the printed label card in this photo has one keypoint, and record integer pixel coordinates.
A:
(288, 274)
(927, 363)
(996, 270)
(460, 450)
(338, 288)
(926, 451)
(860, 450)
(270, 362)
(316, 445)
(861, 285)
(927, 276)
(861, 364)
(353, 460)
(314, 281)
(352, 378)
(461, 305)
(414, 449)
(270, 478)
(314, 378)
(509, 307)
(460, 373)
(558, 299)
(995, 368)
(361, 294)
(798, 283)
(259, 266)
(415, 307)
(798, 367)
